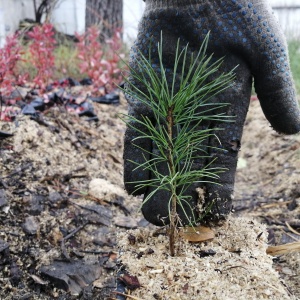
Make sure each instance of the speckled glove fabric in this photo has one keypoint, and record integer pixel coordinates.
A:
(247, 35)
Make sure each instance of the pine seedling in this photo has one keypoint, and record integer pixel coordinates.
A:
(179, 106)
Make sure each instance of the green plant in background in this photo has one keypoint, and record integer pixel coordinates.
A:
(66, 61)
(179, 106)
(294, 53)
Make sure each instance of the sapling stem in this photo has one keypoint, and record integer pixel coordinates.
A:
(173, 211)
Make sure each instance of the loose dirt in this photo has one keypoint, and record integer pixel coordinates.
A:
(62, 204)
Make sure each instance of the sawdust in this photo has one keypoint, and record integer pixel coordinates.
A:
(69, 155)
(267, 183)
(272, 160)
(239, 269)
(66, 145)
(103, 189)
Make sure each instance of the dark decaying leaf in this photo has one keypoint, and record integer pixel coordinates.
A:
(130, 281)
(185, 288)
(73, 276)
(205, 253)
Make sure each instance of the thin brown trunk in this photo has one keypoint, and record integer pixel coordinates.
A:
(108, 14)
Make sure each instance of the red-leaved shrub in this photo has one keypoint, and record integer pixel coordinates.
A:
(100, 62)
(42, 57)
(10, 54)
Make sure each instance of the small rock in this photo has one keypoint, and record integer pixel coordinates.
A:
(287, 271)
(4, 247)
(288, 238)
(30, 226)
(293, 204)
(99, 214)
(107, 289)
(3, 199)
(103, 189)
(205, 253)
(36, 204)
(55, 199)
(101, 237)
(4, 253)
(143, 223)
(15, 274)
(125, 222)
(38, 280)
(110, 265)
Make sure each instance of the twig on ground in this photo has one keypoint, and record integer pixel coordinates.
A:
(88, 196)
(100, 201)
(42, 122)
(96, 252)
(234, 267)
(71, 234)
(292, 229)
(82, 206)
(3, 184)
(18, 170)
(274, 204)
(65, 177)
(127, 296)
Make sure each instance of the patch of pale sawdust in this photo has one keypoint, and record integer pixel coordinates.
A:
(273, 166)
(103, 189)
(72, 144)
(272, 177)
(293, 261)
(240, 269)
(272, 159)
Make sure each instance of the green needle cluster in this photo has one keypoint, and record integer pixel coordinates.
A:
(180, 102)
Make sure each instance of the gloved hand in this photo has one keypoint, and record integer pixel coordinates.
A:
(247, 35)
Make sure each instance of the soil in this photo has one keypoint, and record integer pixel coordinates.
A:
(62, 201)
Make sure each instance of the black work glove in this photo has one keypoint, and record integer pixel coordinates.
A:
(247, 35)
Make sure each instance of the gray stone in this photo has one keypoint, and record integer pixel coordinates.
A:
(125, 222)
(99, 214)
(30, 226)
(36, 204)
(102, 237)
(3, 199)
(4, 247)
(55, 199)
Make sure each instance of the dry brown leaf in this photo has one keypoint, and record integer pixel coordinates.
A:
(197, 234)
(283, 249)
(131, 281)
